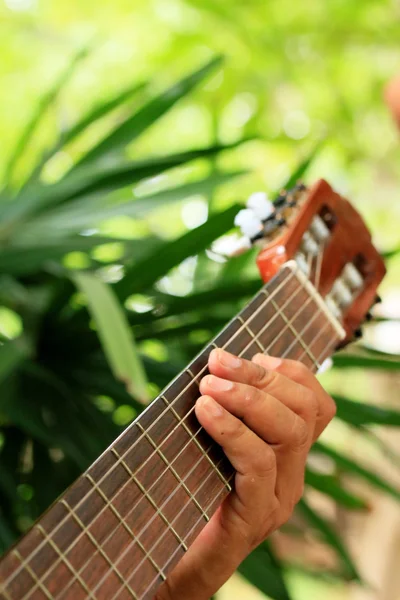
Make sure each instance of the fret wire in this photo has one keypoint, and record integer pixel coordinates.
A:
(65, 560)
(176, 516)
(152, 502)
(174, 472)
(193, 438)
(6, 594)
(188, 535)
(232, 476)
(295, 333)
(262, 306)
(125, 526)
(280, 286)
(174, 519)
(251, 334)
(167, 500)
(35, 578)
(218, 463)
(86, 531)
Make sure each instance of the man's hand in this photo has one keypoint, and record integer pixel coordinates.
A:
(265, 414)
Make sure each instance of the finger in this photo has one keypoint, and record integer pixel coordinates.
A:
(296, 397)
(253, 459)
(300, 374)
(269, 418)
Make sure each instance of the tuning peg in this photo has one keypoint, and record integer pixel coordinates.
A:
(261, 205)
(369, 317)
(309, 245)
(353, 277)
(281, 199)
(342, 293)
(378, 299)
(319, 230)
(358, 334)
(249, 223)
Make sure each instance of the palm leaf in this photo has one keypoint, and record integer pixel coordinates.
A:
(263, 570)
(145, 273)
(135, 125)
(331, 537)
(352, 466)
(45, 102)
(115, 335)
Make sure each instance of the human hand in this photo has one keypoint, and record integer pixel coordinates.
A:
(265, 413)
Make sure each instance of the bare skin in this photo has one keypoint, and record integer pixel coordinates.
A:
(265, 413)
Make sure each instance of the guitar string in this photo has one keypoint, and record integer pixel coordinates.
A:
(286, 353)
(187, 503)
(120, 490)
(269, 299)
(134, 507)
(252, 341)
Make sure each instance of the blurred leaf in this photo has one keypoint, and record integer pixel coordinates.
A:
(353, 361)
(92, 210)
(328, 484)
(27, 259)
(262, 570)
(351, 466)
(114, 333)
(144, 274)
(390, 254)
(94, 114)
(135, 125)
(174, 305)
(45, 102)
(358, 413)
(331, 537)
(94, 180)
(302, 168)
(12, 354)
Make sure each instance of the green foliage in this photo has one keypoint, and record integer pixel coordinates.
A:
(86, 357)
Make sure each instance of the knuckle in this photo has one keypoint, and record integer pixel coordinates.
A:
(300, 433)
(235, 430)
(264, 462)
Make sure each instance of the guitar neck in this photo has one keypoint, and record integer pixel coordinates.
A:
(119, 530)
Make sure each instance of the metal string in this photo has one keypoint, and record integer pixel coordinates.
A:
(286, 353)
(59, 525)
(120, 490)
(208, 505)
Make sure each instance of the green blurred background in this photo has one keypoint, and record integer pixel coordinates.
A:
(299, 82)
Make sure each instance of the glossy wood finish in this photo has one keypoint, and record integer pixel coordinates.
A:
(127, 521)
(350, 242)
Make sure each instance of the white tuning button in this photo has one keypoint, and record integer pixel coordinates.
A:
(333, 307)
(342, 293)
(319, 230)
(231, 246)
(248, 222)
(302, 263)
(260, 204)
(352, 277)
(309, 245)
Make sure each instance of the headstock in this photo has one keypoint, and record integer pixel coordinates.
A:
(328, 239)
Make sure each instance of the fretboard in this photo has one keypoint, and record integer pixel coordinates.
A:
(126, 522)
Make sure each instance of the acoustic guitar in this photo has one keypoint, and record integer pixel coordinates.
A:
(126, 522)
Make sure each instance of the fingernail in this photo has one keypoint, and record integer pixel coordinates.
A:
(272, 362)
(212, 407)
(220, 385)
(228, 360)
